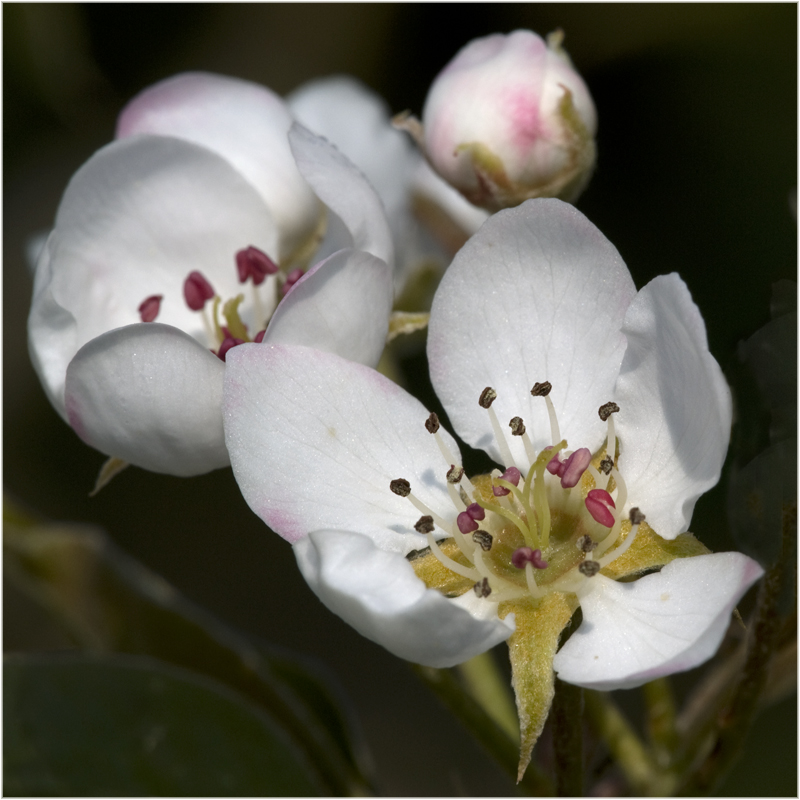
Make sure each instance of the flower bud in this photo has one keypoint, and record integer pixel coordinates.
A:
(509, 119)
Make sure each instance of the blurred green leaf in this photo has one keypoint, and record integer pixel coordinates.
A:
(121, 725)
(110, 603)
(762, 495)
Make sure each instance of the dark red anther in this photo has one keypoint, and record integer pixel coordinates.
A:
(196, 290)
(554, 465)
(259, 337)
(512, 475)
(227, 343)
(291, 280)
(476, 511)
(254, 263)
(150, 307)
(599, 504)
(571, 470)
(526, 555)
(574, 467)
(465, 523)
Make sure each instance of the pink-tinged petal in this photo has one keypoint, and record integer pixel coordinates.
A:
(341, 305)
(675, 407)
(315, 441)
(378, 594)
(150, 395)
(668, 622)
(345, 190)
(538, 294)
(243, 122)
(135, 220)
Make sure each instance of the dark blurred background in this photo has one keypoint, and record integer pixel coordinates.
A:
(696, 173)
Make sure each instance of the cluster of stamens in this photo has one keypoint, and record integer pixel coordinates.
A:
(223, 324)
(550, 529)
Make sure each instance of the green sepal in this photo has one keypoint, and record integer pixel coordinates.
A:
(531, 649)
(650, 551)
(436, 575)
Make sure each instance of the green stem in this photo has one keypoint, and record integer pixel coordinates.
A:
(501, 747)
(635, 760)
(566, 715)
(735, 720)
(661, 719)
(491, 691)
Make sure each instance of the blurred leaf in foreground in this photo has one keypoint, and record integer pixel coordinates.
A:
(131, 725)
(112, 604)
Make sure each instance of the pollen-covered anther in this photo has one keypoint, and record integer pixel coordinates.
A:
(482, 588)
(483, 539)
(606, 465)
(589, 568)
(607, 409)
(197, 290)
(586, 544)
(488, 396)
(455, 474)
(400, 486)
(517, 426)
(636, 517)
(527, 555)
(149, 307)
(599, 504)
(541, 389)
(254, 263)
(512, 475)
(432, 423)
(424, 524)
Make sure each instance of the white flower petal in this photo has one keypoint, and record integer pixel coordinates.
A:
(378, 594)
(675, 407)
(668, 622)
(52, 333)
(358, 122)
(341, 305)
(345, 190)
(315, 441)
(150, 395)
(135, 220)
(538, 294)
(245, 123)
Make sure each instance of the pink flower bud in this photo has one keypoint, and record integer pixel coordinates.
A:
(509, 119)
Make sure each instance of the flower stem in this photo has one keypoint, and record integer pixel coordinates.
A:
(566, 715)
(505, 750)
(661, 719)
(491, 691)
(734, 721)
(633, 757)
